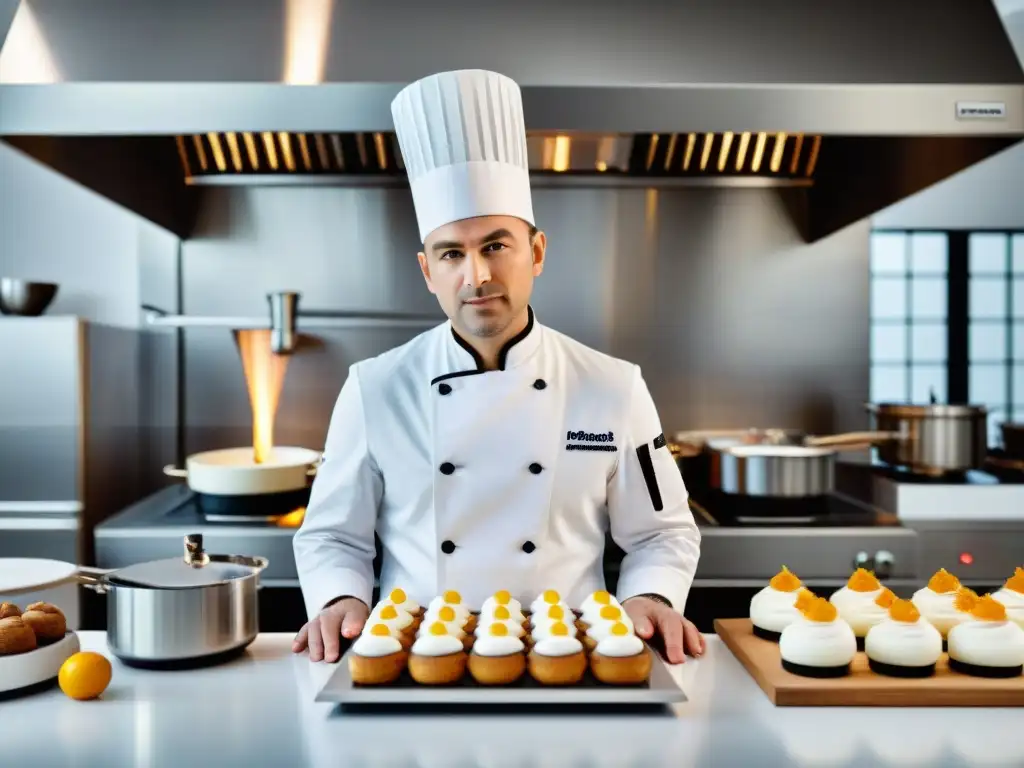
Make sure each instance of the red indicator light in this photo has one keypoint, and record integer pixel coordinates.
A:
(966, 558)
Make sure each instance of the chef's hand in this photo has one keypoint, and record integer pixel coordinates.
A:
(323, 634)
(679, 635)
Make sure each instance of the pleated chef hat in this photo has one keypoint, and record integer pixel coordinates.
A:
(463, 143)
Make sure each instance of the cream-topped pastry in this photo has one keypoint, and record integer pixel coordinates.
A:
(935, 601)
(513, 628)
(904, 644)
(451, 599)
(445, 615)
(495, 641)
(818, 644)
(1011, 594)
(436, 641)
(620, 643)
(400, 599)
(376, 642)
(391, 615)
(541, 621)
(594, 602)
(501, 613)
(856, 603)
(503, 598)
(561, 642)
(988, 646)
(545, 600)
(774, 607)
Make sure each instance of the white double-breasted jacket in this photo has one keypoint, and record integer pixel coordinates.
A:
(478, 480)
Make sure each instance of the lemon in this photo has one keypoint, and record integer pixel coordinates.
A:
(84, 675)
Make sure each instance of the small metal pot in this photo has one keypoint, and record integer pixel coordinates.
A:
(933, 439)
(180, 612)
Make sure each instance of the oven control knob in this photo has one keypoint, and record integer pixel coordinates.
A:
(883, 563)
(862, 560)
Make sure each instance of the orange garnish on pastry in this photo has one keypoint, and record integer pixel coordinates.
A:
(451, 596)
(820, 610)
(965, 599)
(501, 612)
(601, 597)
(618, 628)
(446, 613)
(380, 630)
(1016, 582)
(502, 596)
(904, 610)
(498, 630)
(943, 581)
(388, 612)
(558, 628)
(863, 581)
(610, 613)
(886, 599)
(785, 581)
(989, 609)
(397, 596)
(556, 612)
(803, 599)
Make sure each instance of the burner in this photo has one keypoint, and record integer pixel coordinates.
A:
(257, 508)
(833, 510)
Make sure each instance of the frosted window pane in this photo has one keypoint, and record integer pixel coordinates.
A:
(888, 384)
(928, 298)
(928, 253)
(1018, 254)
(888, 343)
(988, 297)
(988, 385)
(1018, 298)
(888, 298)
(1018, 388)
(928, 343)
(1018, 415)
(995, 434)
(987, 252)
(988, 343)
(888, 252)
(1018, 342)
(926, 380)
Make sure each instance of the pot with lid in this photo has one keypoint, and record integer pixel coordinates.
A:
(934, 439)
(175, 613)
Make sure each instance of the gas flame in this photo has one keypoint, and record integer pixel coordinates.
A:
(264, 378)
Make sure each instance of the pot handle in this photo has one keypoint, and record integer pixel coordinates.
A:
(94, 578)
(311, 472)
(172, 471)
(852, 441)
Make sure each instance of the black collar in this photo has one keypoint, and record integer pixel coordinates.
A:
(503, 354)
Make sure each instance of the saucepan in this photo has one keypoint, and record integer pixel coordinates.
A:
(782, 463)
(934, 439)
(174, 613)
(229, 479)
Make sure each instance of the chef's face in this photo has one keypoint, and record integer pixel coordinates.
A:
(482, 271)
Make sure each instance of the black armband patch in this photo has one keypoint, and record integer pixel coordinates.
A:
(643, 454)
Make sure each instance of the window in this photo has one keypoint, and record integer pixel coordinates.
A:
(947, 319)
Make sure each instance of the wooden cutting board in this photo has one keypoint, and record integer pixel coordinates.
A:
(862, 687)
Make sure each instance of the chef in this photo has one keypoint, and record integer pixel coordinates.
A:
(490, 452)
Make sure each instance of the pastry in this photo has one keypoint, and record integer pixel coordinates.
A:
(400, 599)
(1011, 594)
(499, 615)
(452, 599)
(621, 658)
(16, 636)
(546, 599)
(502, 599)
(557, 659)
(607, 618)
(856, 603)
(437, 658)
(819, 643)
(7, 610)
(593, 604)
(453, 625)
(904, 644)
(497, 657)
(989, 646)
(774, 607)
(47, 621)
(377, 656)
(540, 623)
(935, 601)
(394, 617)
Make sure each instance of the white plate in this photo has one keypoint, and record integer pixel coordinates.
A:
(21, 670)
(24, 574)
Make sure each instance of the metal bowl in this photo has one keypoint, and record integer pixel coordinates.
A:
(24, 298)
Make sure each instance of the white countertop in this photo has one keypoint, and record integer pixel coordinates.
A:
(259, 710)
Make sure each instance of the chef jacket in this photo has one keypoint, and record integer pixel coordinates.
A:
(478, 480)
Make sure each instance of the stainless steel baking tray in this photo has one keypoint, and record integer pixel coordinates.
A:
(661, 688)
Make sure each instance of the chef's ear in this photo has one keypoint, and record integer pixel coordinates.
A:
(421, 257)
(539, 245)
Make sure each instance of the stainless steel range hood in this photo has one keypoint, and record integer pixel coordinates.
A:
(854, 103)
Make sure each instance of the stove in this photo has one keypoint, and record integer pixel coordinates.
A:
(154, 527)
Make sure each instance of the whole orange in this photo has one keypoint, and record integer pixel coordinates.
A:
(84, 675)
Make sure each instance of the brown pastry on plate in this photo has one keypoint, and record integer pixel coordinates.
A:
(47, 621)
(558, 658)
(377, 657)
(437, 657)
(7, 610)
(497, 657)
(621, 657)
(16, 636)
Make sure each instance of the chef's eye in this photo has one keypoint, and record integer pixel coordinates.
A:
(449, 255)
(494, 247)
